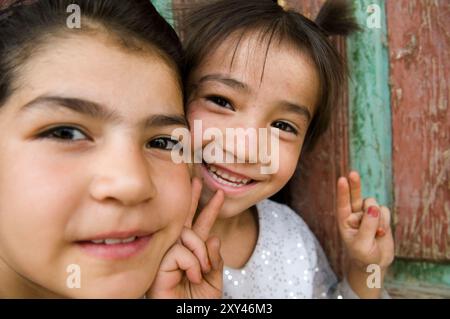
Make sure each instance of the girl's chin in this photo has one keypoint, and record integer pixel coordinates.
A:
(231, 207)
(117, 292)
(120, 284)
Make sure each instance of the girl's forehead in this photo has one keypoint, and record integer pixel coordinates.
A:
(86, 68)
(254, 59)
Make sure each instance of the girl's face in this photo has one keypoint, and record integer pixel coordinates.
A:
(227, 93)
(88, 190)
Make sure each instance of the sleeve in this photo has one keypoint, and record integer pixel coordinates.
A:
(325, 282)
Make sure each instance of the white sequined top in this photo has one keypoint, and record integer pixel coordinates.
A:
(288, 262)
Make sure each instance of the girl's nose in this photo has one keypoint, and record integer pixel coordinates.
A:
(244, 144)
(123, 177)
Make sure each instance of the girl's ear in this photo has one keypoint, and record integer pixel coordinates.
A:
(336, 18)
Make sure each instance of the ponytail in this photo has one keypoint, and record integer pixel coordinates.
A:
(336, 18)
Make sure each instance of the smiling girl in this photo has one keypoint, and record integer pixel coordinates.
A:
(86, 116)
(252, 64)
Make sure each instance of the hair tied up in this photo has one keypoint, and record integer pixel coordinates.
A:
(336, 18)
(281, 3)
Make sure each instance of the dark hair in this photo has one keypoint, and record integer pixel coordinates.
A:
(27, 24)
(211, 23)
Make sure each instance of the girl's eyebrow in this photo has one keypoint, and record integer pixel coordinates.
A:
(96, 110)
(295, 108)
(229, 81)
(161, 120)
(82, 106)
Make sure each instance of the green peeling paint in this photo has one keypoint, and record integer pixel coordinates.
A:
(164, 8)
(369, 105)
(414, 272)
(371, 135)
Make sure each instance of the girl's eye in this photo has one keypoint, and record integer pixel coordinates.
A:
(64, 133)
(220, 101)
(283, 126)
(163, 143)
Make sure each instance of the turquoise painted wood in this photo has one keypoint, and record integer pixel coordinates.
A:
(164, 7)
(369, 105)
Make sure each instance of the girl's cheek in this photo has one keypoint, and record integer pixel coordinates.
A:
(193, 110)
(175, 193)
(201, 121)
(288, 160)
(195, 115)
(197, 111)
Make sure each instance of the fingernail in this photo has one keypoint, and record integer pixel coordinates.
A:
(373, 211)
(380, 232)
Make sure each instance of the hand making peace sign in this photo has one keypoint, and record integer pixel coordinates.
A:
(193, 267)
(364, 225)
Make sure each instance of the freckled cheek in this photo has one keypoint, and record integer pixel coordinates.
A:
(207, 119)
(287, 164)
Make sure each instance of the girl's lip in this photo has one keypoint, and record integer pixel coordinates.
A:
(215, 185)
(115, 251)
(120, 235)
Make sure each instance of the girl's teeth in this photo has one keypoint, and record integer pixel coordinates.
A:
(223, 174)
(229, 180)
(128, 240)
(114, 241)
(220, 176)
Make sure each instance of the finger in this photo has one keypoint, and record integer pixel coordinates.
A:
(215, 277)
(372, 202)
(385, 218)
(355, 191)
(208, 216)
(197, 246)
(213, 246)
(180, 258)
(386, 241)
(354, 221)
(380, 230)
(369, 202)
(196, 192)
(344, 208)
(369, 226)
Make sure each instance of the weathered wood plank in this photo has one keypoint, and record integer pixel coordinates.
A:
(369, 105)
(312, 189)
(419, 50)
(415, 279)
